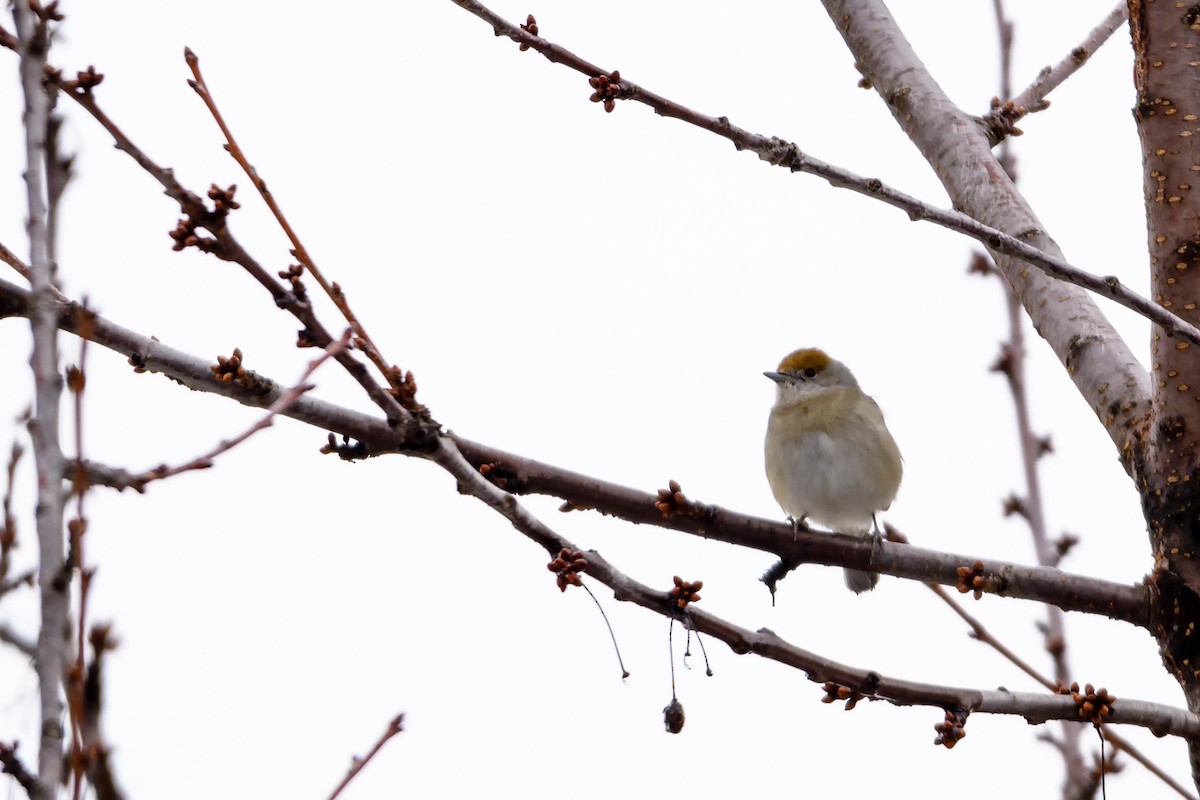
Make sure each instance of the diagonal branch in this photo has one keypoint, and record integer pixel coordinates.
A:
(1003, 116)
(1034, 708)
(522, 475)
(1102, 367)
(226, 246)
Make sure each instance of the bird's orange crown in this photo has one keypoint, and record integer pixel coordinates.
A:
(806, 358)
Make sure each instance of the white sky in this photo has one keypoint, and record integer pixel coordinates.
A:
(599, 291)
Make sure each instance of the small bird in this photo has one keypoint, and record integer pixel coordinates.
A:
(829, 454)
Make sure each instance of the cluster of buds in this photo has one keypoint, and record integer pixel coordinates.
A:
(223, 201)
(672, 500)
(836, 692)
(228, 370)
(293, 275)
(952, 729)
(404, 389)
(972, 579)
(566, 566)
(607, 89)
(529, 27)
(685, 592)
(1094, 704)
(85, 80)
(185, 236)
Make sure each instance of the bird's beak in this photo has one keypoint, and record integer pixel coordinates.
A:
(778, 377)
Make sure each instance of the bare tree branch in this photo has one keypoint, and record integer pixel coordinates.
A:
(522, 475)
(34, 39)
(224, 245)
(280, 406)
(1003, 116)
(1078, 782)
(1098, 361)
(11, 765)
(394, 727)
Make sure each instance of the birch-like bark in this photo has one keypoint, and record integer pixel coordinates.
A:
(955, 144)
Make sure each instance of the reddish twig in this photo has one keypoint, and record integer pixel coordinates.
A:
(280, 406)
(401, 388)
(982, 634)
(1122, 744)
(224, 245)
(8, 522)
(393, 728)
(77, 527)
(10, 258)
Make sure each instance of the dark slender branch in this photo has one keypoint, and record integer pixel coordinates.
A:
(225, 246)
(394, 727)
(527, 476)
(1012, 366)
(96, 757)
(280, 406)
(76, 528)
(980, 632)
(1035, 708)
(11, 765)
(781, 153)
(395, 378)
(8, 522)
(1071, 592)
(1123, 745)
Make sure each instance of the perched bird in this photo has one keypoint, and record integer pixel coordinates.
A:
(829, 455)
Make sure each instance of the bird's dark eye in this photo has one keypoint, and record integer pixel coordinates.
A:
(810, 373)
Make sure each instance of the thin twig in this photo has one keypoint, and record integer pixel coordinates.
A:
(11, 765)
(96, 753)
(1012, 366)
(8, 522)
(225, 246)
(393, 728)
(77, 527)
(280, 406)
(10, 258)
(781, 153)
(364, 342)
(982, 634)
(1002, 117)
(1121, 743)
